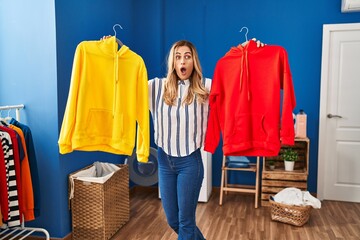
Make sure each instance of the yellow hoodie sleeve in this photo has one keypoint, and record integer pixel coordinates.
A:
(142, 116)
(67, 127)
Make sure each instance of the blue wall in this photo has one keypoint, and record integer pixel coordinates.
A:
(38, 41)
(28, 76)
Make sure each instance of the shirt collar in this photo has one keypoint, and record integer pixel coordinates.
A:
(184, 82)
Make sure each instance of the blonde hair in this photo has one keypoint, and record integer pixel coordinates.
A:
(196, 88)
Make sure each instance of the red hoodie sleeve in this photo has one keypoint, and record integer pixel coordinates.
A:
(212, 136)
(287, 133)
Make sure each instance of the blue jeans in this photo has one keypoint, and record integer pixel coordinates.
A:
(180, 180)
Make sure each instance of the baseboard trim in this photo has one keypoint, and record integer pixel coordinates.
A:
(67, 237)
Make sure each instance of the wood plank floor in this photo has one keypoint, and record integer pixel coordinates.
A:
(237, 219)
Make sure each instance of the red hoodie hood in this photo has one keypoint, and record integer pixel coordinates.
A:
(242, 52)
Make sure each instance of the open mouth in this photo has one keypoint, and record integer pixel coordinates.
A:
(183, 70)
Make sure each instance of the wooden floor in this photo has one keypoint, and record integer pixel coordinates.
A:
(237, 219)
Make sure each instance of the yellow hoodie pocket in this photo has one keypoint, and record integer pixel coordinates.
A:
(99, 123)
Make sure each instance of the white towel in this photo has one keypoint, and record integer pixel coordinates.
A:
(289, 196)
(310, 200)
(294, 196)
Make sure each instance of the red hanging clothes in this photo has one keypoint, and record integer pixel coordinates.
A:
(245, 102)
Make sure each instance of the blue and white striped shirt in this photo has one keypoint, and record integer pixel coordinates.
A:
(179, 129)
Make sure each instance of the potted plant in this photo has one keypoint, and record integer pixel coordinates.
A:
(271, 164)
(289, 156)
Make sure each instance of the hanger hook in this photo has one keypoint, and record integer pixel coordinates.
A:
(115, 26)
(247, 31)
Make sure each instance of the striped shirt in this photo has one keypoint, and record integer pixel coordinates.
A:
(13, 218)
(180, 129)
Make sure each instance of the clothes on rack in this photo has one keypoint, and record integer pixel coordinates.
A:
(26, 181)
(245, 102)
(16, 187)
(12, 209)
(108, 95)
(4, 203)
(12, 166)
(30, 151)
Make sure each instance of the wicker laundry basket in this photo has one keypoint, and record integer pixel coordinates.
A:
(99, 210)
(294, 215)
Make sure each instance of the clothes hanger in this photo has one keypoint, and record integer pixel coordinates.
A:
(1, 117)
(3, 121)
(117, 40)
(246, 33)
(8, 118)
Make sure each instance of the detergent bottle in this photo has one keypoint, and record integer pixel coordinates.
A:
(300, 127)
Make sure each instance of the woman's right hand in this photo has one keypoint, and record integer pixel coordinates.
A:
(258, 43)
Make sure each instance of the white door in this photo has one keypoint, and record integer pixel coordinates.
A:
(339, 130)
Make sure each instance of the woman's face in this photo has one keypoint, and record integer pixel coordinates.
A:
(184, 62)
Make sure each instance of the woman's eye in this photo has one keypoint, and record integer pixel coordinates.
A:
(177, 57)
(187, 57)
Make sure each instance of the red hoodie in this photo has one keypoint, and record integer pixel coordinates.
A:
(245, 102)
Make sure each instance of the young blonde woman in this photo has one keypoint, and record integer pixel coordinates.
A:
(179, 108)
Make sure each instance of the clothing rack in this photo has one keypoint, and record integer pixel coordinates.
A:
(22, 231)
(16, 107)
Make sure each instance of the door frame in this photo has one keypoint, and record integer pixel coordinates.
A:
(328, 30)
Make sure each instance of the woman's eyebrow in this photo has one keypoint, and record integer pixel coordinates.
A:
(184, 53)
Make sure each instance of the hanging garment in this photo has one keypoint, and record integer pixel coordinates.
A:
(245, 102)
(26, 182)
(108, 95)
(4, 203)
(30, 151)
(12, 165)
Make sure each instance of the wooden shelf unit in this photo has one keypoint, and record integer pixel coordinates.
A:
(273, 181)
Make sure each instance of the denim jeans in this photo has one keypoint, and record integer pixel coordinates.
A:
(180, 180)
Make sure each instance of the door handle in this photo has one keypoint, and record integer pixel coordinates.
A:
(333, 116)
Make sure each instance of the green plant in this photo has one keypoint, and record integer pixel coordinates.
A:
(290, 154)
(271, 164)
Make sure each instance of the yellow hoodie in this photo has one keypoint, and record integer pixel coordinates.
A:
(108, 94)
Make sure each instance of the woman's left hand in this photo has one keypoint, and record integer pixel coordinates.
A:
(105, 37)
(258, 43)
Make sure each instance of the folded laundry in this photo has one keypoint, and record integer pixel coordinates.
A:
(237, 162)
(238, 159)
(294, 196)
(237, 165)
